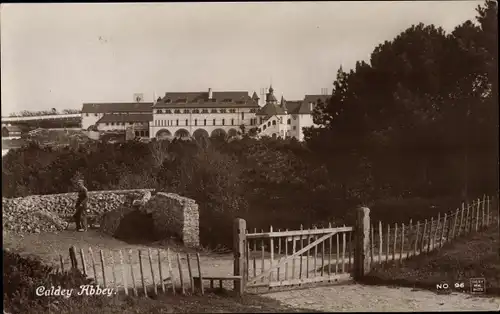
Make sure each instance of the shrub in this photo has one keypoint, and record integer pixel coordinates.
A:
(21, 277)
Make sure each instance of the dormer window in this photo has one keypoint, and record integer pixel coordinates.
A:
(232, 110)
(196, 111)
(168, 101)
(159, 111)
(186, 110)
(168, 111)
(204, 111)
(223, 111)
(177, 111)
(213, 111)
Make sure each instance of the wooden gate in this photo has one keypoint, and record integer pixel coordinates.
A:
(289, 258)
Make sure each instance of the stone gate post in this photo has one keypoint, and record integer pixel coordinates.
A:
(362, 243)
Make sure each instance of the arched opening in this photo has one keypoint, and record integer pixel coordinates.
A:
(232, 132)
(182, 133)
(163, 134)
(200, 133)
(137, 227)
(218, 133)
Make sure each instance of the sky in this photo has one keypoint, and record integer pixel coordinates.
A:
(61, 55)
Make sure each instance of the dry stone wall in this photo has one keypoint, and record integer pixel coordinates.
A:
(38, 213)
(173, 214)
(176, 215)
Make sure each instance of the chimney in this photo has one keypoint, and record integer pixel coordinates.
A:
(210, 93)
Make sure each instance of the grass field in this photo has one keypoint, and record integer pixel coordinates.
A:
(475, 256)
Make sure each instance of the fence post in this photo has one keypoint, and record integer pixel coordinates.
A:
(239, 240)
(361, 259)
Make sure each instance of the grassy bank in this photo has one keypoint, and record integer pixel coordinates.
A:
(475, 256)
(211, 303)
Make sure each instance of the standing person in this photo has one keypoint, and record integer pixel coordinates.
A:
(81, 207)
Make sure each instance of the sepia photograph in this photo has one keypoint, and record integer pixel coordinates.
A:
(250, 157)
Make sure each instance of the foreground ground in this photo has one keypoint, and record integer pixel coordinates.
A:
(345, 297)
(364, 298)
(475, 256)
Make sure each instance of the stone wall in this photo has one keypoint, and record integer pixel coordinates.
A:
(38, 213)
(177, 216)
(173, 214)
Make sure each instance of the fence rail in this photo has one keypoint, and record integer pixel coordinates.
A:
(140, 272)
(401, 241)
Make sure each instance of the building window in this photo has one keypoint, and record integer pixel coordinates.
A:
(252, 110)
(186, 110)
(159, 111)
(112, 123)
(214, 121)
(213, 111)
(195, 122)
(232, 110)
(147, 133)
(289, 121)
(223, 111)
(136, 133)
(242, 116)
(264, 127)
(204, 121)
(168, 101)
(177, 111)
(232, 121)
(168, 111)
(186, 121)
(223, 121)
(86, 114)
(107, 123)
(196, 111)
(274, 122)
(294, 127)
(95, 114)
(204, 111)
(177, 122)
(269, 123)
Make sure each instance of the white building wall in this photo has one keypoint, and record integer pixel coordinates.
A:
(121, 127)
(305, 120)
(89, 119)
(194, 121)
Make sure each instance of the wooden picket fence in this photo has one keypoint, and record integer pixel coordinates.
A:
(401, 241)
(139, 272)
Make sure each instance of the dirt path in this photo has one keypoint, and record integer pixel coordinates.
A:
(362, 298)
(346, 297)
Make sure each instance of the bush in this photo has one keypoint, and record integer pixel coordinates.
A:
(21, 277)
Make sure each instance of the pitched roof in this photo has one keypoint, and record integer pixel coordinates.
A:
(136, 117)
(200, 100)
(270, 110)
(116, 107)
(293, 106)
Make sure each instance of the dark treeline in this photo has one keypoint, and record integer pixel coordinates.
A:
(422, 117)
(415, 127)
